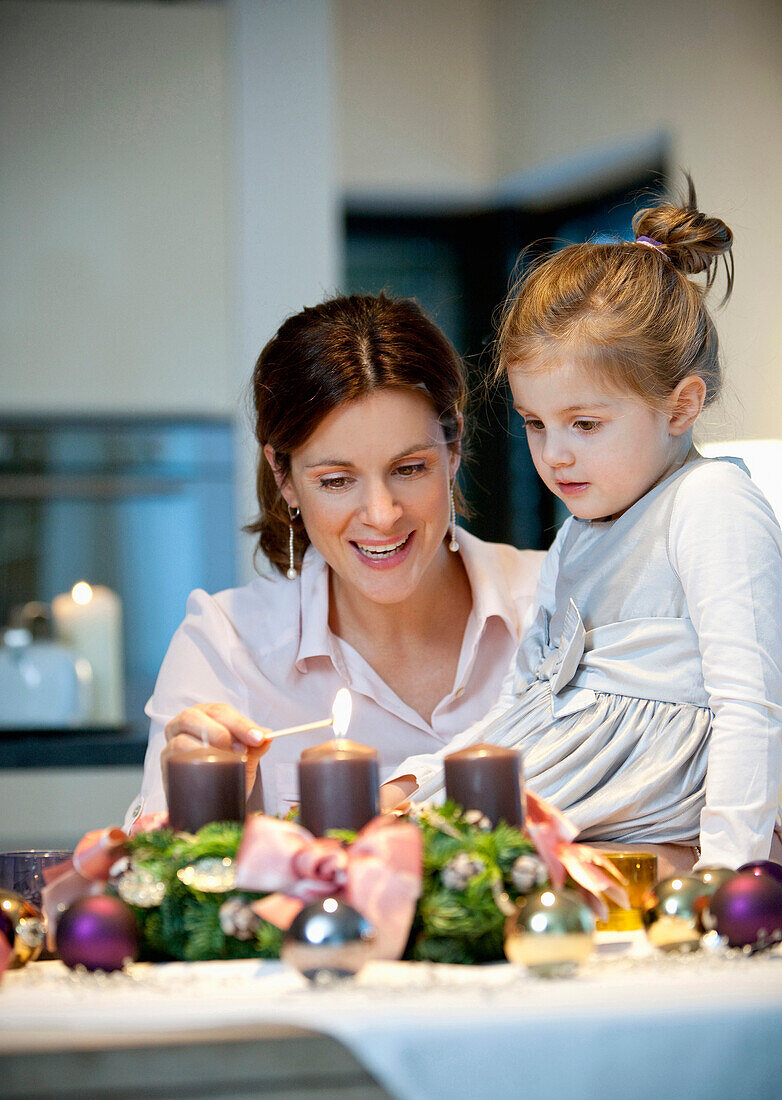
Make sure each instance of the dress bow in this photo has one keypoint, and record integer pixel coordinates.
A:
(560, 666)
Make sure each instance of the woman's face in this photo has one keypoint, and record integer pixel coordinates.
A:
(372, 484)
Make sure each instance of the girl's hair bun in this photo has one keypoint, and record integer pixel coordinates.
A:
(691, 241)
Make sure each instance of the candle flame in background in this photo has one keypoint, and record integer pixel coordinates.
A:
(81, 593)
(341, 712)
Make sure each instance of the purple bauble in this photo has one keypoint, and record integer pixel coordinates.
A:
(764, 867)
(98, 933)
(748, 910)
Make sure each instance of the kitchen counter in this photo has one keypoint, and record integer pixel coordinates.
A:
(73, 748)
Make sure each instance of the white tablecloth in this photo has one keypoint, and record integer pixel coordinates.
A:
(633, 1027)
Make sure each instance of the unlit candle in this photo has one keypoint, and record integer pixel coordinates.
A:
(486, 778)
(205, 784)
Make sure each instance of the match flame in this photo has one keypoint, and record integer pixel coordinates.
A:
(341, 712)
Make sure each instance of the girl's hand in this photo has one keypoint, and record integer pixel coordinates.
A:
(395, 796)
(221, 726)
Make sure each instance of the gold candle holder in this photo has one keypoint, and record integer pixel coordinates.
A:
(640, 872)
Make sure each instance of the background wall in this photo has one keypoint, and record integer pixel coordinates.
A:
(114, 276)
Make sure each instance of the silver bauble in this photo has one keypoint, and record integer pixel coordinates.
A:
(672, 912)
(328, 941)
(550, 933)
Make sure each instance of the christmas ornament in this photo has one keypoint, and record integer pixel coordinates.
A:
(550, 933)
(22, 925)
(527, 872)
(328, 941)
(237, 919)
(458, 871)
(210, 875)
(748, 910)
(138, 886)
(764, 867)
(672, 913)
(713, 877)
(98, 933)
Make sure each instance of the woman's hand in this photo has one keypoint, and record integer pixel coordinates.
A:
(221, 726)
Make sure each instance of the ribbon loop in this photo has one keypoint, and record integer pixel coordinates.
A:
(379, 874)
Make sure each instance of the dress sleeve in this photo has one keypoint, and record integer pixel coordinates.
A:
(197, 668)
(725, 545)
(427, 768)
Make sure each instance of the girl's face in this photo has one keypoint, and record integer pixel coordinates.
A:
(599, 450)
(372, 483)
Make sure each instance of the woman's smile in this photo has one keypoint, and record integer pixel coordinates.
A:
(384, 554)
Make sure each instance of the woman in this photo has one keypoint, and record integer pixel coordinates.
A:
(358, 416)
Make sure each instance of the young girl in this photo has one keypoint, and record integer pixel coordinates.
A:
(646, 699)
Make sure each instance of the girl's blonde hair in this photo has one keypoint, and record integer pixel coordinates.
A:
(628, 309)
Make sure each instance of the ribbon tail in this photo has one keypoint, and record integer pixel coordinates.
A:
(97, 851)
(596, 875)
(278, 909)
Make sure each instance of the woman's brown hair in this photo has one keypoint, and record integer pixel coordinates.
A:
(628, 309)
(341, 350)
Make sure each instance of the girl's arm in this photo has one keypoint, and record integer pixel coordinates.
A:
(726, 546)
(421, 776)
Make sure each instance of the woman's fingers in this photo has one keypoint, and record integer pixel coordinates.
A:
(220, 725)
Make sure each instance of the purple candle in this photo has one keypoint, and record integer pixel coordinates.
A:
(205, 784)
(338, 786)
(486, 778)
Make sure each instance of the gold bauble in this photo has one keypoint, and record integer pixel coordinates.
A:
(672, 912)
(550, 933)
(23, 927)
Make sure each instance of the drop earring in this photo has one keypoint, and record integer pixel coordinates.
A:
(453, 545)
(293, 513)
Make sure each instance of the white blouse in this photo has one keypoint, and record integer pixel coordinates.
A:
(267, 650)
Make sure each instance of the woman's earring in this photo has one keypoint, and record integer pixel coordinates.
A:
(453, 545)
(293, 513)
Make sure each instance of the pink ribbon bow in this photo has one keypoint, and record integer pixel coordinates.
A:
(552, 834)
(379, 874)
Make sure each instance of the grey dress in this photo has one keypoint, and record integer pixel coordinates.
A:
(612, 716)
(657, 649)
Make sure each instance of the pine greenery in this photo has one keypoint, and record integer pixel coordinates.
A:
(454, 925)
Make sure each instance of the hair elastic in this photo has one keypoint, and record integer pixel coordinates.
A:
(650, 242)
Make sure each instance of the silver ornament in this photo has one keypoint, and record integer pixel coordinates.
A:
(550, 933)
(477, 820)
(672, 913)
(210, 875)
(527, 872)
(141, 888)
(459, 871)
(237, 919)
(328, 941)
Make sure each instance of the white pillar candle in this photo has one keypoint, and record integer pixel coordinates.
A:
(89, 619)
